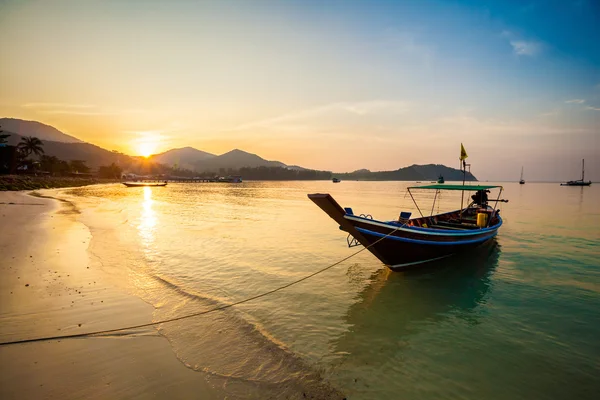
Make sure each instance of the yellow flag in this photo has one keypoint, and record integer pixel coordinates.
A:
(463, 152)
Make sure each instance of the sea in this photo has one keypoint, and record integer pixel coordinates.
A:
(518, 318)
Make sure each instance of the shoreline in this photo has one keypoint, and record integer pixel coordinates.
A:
(11, 183)
(50, 287)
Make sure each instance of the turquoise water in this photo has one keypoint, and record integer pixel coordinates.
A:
(518, 319)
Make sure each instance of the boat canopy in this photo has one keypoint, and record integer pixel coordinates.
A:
(456, 187)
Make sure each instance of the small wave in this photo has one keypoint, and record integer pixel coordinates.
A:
(231, 348)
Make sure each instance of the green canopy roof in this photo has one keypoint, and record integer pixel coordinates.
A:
(456, 187)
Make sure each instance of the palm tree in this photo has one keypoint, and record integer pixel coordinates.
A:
(31, 145)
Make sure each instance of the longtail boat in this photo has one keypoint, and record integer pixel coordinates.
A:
(144, 184)
(407, 242)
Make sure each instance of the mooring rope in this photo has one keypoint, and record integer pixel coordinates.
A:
(258, 296)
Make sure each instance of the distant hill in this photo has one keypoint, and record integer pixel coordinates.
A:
(425, 173)
(235, 159)
(37, 129)
(184, 157)
(93, 155)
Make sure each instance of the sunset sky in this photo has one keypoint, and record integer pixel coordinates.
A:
(335, 85)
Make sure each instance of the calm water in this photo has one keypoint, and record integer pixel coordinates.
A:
(520, 319)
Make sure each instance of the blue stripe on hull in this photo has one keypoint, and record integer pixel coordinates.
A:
(428, 242)
(421, 230)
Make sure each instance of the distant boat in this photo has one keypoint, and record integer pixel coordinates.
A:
(335, 180)
(144, 184)
(227, 179)
(581, 181)
(522, 181)
(440, 179)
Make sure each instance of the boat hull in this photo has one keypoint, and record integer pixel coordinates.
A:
(143, 184)
(576, 183)
(400, 246)
(399, 249)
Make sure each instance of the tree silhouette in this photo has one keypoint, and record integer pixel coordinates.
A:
(3, 137)
(78, 166)
(31, 145)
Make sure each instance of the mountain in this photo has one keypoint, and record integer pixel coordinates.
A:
(429, 172)
(37, 129)
(184, 157)
(93, 155)
(235, 159)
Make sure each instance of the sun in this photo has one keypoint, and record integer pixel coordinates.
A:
(146, 149)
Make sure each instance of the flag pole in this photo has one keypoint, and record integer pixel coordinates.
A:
(463, 156)
(462, 193)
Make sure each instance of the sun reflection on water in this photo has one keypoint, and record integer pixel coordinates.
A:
(148, 220)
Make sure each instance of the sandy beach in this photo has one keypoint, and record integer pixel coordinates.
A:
(49, 287)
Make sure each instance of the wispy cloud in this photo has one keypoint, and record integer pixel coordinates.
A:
(522, 47)
(552, 113)
(326, 114)
(525, 48)
(575, 101)
(592, 108)
(76, 112)
(76, 109)
(57, 105)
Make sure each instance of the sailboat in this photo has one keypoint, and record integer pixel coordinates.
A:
(522, 181)
(579, 182)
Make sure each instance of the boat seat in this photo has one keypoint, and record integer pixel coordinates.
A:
(404, 217)
(455, 225)
(453, 228)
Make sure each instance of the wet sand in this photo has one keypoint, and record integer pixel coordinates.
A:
(50, 287)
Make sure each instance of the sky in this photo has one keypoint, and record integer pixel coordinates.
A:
(332, 85)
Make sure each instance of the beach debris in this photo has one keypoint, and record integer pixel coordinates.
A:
(27, 285)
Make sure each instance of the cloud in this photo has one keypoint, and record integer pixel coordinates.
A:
(552, 113)
(57, 105)
(77, 109)
(575, 101)
(328, 114)
(522, 47)
(76, 112)
(593, 108)
(525, 48)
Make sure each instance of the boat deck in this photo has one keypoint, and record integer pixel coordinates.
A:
(449, 221)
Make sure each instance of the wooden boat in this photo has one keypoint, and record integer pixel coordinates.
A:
(335, 180)
(407, 242)
(579, 182)
(144, 184)
(440, 179)
(522, 181)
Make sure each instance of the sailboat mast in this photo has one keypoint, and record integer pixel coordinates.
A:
(521, 173)
(582, 169)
